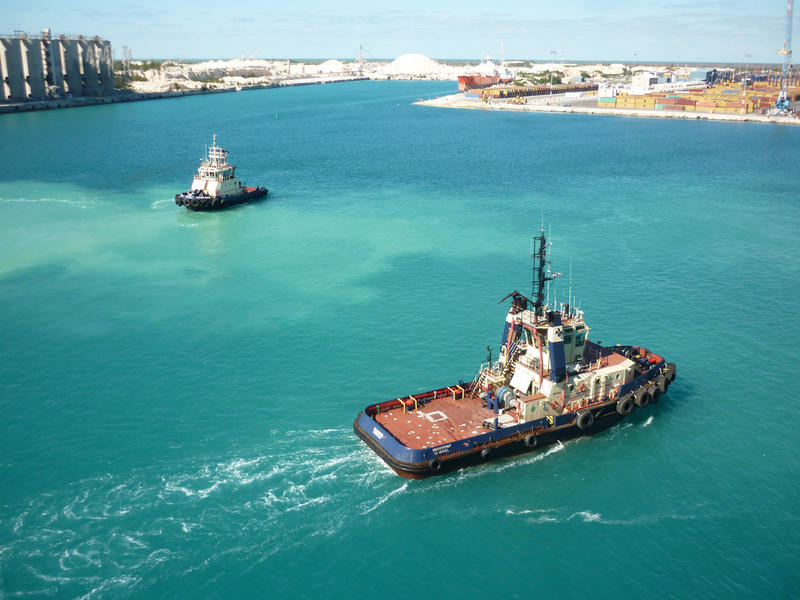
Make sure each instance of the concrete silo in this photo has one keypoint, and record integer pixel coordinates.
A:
(39, 67)
(11, 63)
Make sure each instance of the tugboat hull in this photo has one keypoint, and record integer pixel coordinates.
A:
(207, 203)
(421, 462)
(521, 443)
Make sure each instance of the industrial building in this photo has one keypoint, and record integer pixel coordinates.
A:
(42, 67)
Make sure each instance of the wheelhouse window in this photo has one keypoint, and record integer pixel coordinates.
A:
(580, 338)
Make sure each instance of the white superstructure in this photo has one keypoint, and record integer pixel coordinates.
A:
(215, 177)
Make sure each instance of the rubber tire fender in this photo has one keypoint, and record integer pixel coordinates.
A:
(655, 394)
(178, 200)
(531, 441)
(641, 398)
(584, 420)
(625, 406)
(195, 203)
(486, 452)
(672, 371)
(435, 465)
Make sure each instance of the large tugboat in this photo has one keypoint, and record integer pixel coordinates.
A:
(549, 384)
(215, 185)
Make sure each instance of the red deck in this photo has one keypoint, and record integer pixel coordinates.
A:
(448, 417)
(440, 421)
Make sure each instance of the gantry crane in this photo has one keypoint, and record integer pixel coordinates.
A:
(782, 103)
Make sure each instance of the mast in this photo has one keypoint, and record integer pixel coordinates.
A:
(541, 275)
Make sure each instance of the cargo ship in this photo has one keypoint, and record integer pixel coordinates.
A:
(487, 74)
(549, 384)
(215, 185)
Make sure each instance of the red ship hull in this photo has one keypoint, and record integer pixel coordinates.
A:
(474, 82)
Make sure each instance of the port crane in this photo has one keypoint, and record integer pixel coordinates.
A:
(782, 103)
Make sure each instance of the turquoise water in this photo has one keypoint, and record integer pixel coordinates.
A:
(178, 389)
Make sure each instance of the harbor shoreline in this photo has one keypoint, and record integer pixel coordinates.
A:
(460, 101)
(125, 96)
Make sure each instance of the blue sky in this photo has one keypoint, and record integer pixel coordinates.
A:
(677, 30)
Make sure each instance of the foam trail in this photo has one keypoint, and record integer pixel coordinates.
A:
(386, 497)
(649, 420)
(587, 516)
(538, 515)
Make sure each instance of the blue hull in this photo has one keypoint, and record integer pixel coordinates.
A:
(205, 203)
(419, 464)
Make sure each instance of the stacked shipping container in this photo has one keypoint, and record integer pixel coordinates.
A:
(724, 99)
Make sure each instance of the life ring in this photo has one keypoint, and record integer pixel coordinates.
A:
(625, 406)
(554, 405)
(582, 387)
(530, 441)
(435, 465)
(584, 420)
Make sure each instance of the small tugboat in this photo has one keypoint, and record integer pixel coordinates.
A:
(215, 186)
(549, 384)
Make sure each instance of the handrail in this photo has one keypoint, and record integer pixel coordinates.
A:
(455, 390)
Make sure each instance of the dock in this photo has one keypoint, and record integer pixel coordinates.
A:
(589, 107)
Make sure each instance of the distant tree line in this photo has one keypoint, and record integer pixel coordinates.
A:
(542, 78)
